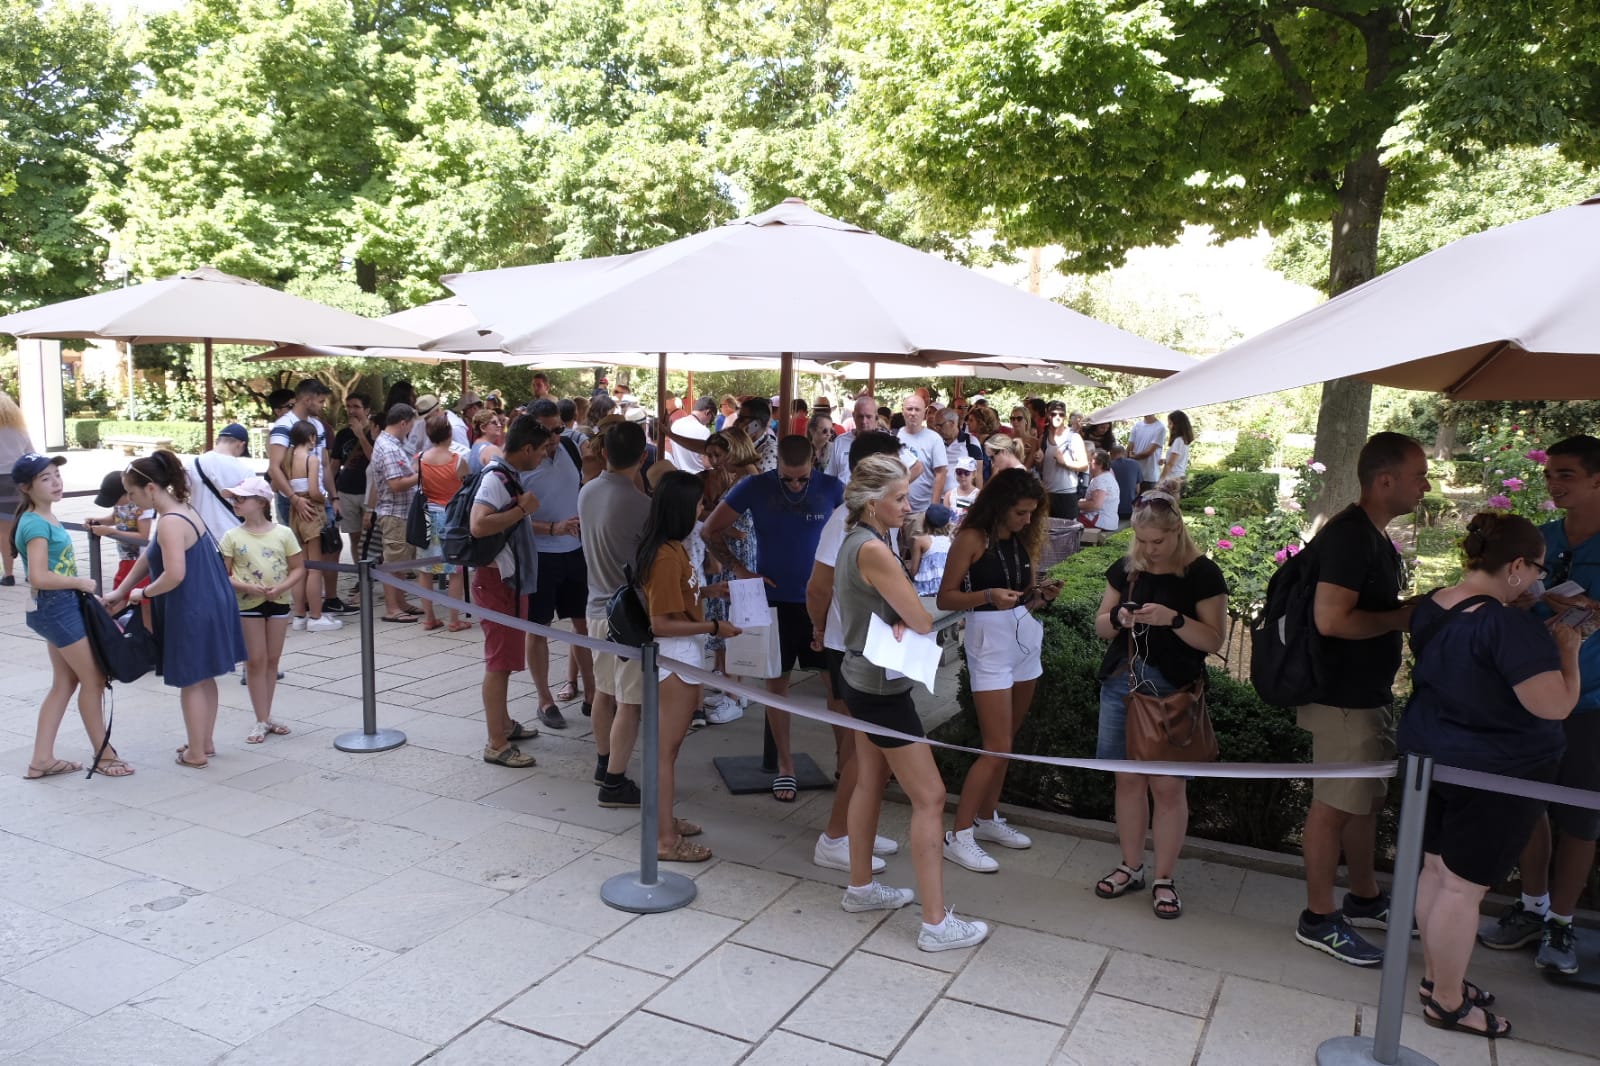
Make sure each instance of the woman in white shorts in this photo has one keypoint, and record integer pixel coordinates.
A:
(672, 594)
(992, 573)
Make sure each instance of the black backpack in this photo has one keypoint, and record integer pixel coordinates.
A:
(457, 544)
(124, 649)
(1285, 647)
(627, 620)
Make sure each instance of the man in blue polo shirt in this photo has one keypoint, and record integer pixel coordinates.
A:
(789, 506)
(1572, 553)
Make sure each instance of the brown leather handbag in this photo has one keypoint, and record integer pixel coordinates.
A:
(1171, 728)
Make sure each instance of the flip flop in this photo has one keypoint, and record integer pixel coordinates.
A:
(181, 761)
(60, 766)
(397, 617)
(460, 627)
(435, 624)
(566, 693)
(113, 768)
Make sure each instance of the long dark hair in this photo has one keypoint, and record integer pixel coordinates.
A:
(1181, 426)
(673, 510)
(163, 468)
(996, 499)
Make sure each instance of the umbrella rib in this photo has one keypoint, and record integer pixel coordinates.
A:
(1477, 368)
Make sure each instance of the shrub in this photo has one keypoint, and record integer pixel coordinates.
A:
(1065, 719)
(85, 432)
(1198, 482)
(1242, 495)
(1463, 473)
(1254, 450)
(186, 437)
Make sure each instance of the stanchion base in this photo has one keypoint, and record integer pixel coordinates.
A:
(1357, 1051)
(743, 773)
(382, 740)
(626, 892)
(1588, 976)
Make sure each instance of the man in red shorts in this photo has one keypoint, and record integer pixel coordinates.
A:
(502, 506)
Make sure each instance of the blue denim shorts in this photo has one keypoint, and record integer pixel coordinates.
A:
(56, 617)
(1112, 741)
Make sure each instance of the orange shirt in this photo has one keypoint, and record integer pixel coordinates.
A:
(670, 589)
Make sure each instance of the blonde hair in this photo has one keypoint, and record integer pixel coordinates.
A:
(999, 442)
(741, 452)
(1168, 519)
(11, 414)
(870, 482)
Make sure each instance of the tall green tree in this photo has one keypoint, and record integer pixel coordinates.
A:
(1105, 124)
(64, 88)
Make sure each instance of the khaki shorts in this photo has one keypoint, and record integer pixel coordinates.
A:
(1349, 734)
(392, 528)
(352, 508)
(620, 678)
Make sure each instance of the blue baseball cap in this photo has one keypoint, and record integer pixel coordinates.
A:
(237, 432)
(32, 464)
(939, 515)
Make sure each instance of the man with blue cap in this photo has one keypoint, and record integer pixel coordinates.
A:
(222, 467)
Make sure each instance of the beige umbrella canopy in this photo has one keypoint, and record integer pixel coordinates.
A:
(204, 305)
(1052, 375)
(1508, 314)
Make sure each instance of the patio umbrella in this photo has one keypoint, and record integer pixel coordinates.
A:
(792, 281)
(1054, 374)
(204, 305)
(1507, 314)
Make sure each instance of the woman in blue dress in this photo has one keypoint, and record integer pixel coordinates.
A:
(196, 613)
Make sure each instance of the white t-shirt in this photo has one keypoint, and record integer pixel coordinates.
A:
(833, 536)
(681, 457)
(839, 458)
(1178, 452)
(1106, 482)
(494, 493)
(458, 433)
(225, 471)
(1147, 435)
(930, 451)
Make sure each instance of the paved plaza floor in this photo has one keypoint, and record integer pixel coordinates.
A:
(295, 904)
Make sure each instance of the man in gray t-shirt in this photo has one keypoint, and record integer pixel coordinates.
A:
(930, 450)
(563, 589)
(612, 514)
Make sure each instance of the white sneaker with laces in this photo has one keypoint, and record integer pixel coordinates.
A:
(952, 933)
(961, 849)
(323, 624)
(835, 855)
(876, 897)
(723, 711)
(297, 621)
(996, 831)
(885, 846)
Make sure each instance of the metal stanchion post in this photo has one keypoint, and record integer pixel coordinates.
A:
(1384, 1046)
(371, 738)
(96, 567)
(648, 891)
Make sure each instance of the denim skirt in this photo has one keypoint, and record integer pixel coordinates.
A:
(56, 617)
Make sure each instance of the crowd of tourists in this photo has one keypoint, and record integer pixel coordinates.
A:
(877, 514)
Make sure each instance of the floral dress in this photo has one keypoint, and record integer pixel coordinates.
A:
(744, 550)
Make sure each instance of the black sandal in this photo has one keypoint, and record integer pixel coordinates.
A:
(1108, 887)
(1470, 993)
(1165, 908)
(1439, 1018)
(785, 783)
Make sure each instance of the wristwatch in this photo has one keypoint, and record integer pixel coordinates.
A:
(1177, 623)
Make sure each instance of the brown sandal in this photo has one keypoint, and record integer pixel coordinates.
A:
(686, 828)
(59, 766)
(684, 851)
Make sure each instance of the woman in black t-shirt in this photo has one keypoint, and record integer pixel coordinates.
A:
(1167, 604)
(1492, 685)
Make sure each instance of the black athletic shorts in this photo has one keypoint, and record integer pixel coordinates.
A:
(562, 588)
(1479, 834)
(897, 712)
(794, 639)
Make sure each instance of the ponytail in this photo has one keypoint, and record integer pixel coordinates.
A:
(162, 468)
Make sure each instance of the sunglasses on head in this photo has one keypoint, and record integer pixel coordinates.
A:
(1151, 499)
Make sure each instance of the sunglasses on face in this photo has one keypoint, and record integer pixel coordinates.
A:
(796, 482)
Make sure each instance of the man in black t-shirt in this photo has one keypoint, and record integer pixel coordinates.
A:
(351, 452)
(1360, 620)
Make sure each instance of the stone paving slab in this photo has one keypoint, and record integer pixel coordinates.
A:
(296, 904)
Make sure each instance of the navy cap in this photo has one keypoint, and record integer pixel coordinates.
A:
(234, 430)
(32, 464)
(939, 515)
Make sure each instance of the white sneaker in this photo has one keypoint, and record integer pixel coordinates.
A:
(885, 846)
(952, 933)
(962, 850)
(297, 621)
(723, 711)
(996, 831)
(835, 855)
(876, 897)
(323, 624)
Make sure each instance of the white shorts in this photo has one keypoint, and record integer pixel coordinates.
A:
(689, 650)
(1003, 648)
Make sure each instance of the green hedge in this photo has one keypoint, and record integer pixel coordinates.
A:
(185, 436)
(1199, 482)
(1065, 719)
(1236, 494)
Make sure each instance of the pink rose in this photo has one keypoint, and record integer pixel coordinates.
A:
(1513, 483)
(1281, 555)
(1224, 543)
(1548, 505)
(1292, 505)
(1498, 503)
(1538, 455)
(1318, 467)
(1292, 549)
(1211, 511)
(1236, 531)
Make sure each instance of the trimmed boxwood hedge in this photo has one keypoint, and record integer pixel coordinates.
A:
(1065, 719)
(187, 437)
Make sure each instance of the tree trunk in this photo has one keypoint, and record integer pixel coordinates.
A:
(366, 276)
(1347, 402)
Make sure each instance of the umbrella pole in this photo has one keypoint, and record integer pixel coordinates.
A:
(688, 390)
(463, 379)
(785, 392)
(872, 379)
(661, 406)
(211, 399)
